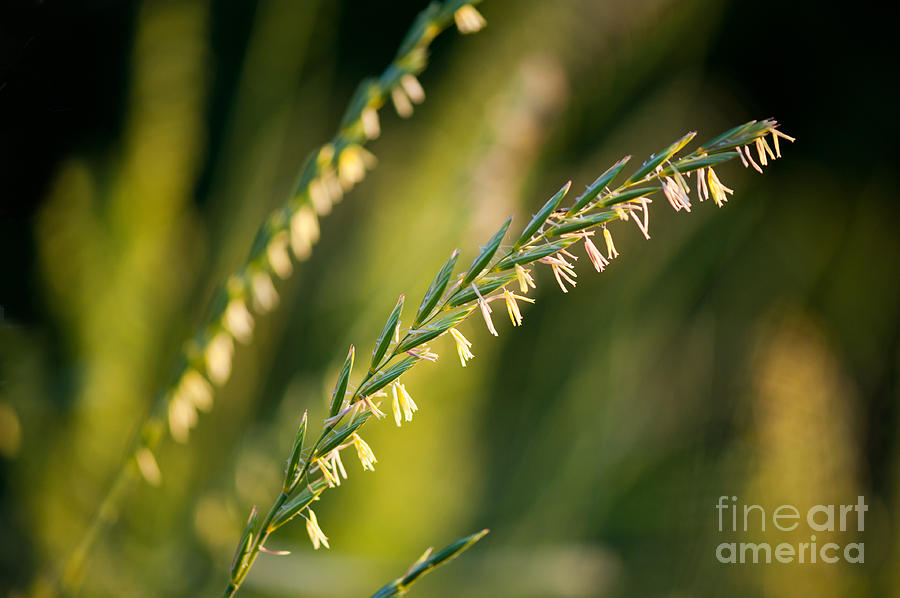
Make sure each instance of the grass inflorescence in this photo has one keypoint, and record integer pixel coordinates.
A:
(502, 273)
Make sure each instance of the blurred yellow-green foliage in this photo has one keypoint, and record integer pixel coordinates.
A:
(749, 351)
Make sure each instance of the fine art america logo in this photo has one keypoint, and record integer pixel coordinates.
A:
(830, 520)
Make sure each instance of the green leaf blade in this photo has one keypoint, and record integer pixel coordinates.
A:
(387, 334)
(467, 294)
(657, 159)
(340, 388)
(297, 503)
(486, 253)
(577, 224)
(384, 378)
(597, 186)
(438, 285)
(538, 219)
(433, 330)
(293, 467)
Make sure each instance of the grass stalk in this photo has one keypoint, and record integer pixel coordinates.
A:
(546, 240)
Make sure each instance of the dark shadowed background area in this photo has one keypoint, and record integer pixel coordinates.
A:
(749, 351)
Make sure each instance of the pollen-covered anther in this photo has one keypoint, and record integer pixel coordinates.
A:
(642, 222)
(330, 477)
(717, 189)
(763, 149)
(364, 452)
(598, 260)
(562, 271)
(402, 402)
(337, 466)
(485, 311)
(316, 535)
(424, 353)
(525, 279)
(747, 153)
(378, 413)
(702, 189)
(610, 247)
(775, 135)
(463, 346)
(674, 192)
(512, 307)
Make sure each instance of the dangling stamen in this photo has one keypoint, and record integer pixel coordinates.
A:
(750, 159)
(610, 248)
(702, 189)
(485, 311)
(463, 346)
(597, 259)
(524, 278)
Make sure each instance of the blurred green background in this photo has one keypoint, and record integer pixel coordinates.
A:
(749, 351)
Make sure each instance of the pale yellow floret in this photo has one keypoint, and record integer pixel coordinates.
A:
(485, 311)
(717, 189)
(642, 223)
(378, 413)
(413, 88)
(702, 189)
(747, 153)
(562, 271)
(468, 19)
(512, 307)
(337, 466)
(238, 321)
(315, 532)
(277, 252)
(610, 247)
(401, 102)
(318, 195)
(148, 467)
(353, 163)
(597, 259)
(197, 388)
(402, 402)
(463, 346)
(674, 192)
(265, 297)
(370, 124)
(525, 279)
(330, 477)
(182, 417)
(364, 452)
(218, 358)
(304, 231)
